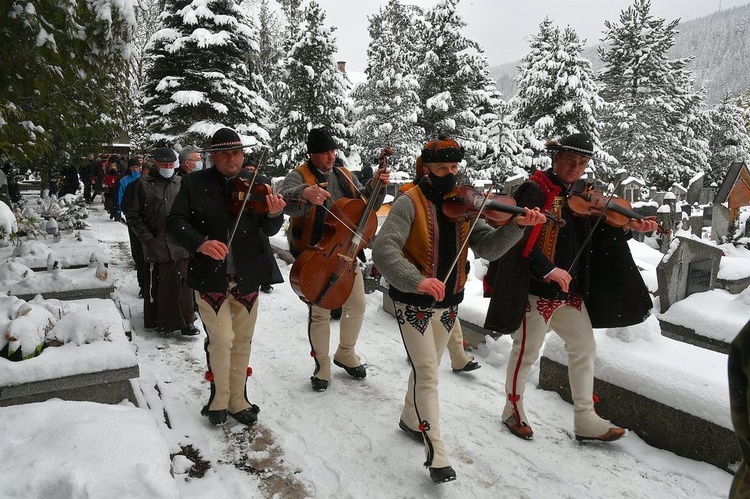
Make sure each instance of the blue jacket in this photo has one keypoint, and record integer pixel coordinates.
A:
(124, 181)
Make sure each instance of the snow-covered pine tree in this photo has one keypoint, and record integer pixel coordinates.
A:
(648, 94)
(557, 92)
(147, 13)
(313, 92)
(504, 156)
(496, 154)
(62, 90)
(270, 53)
(200, 74)
(387, 105)
(445, 76)
(729, 140)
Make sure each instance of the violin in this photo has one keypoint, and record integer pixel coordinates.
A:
(584, 200)
(256, 200)
(463, 204)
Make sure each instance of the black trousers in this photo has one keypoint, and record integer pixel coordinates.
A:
(168, 302)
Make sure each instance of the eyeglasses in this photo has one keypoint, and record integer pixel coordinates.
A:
(575, 160)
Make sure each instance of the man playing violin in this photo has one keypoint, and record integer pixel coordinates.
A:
(557, 278)
(460, 360)
(319, 183)
(228, 263)
(422, 253)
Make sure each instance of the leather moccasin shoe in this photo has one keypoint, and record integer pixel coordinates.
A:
(318, 385)
(521, 430)
(470, 366)
(247, 416)
(442, 475)
(358, 372)
(413, 434)
(215, 417)
(611, 435)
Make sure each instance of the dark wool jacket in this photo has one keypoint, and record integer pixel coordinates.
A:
(152, 199)
(738, 367)
(199, 213)
(606, 275)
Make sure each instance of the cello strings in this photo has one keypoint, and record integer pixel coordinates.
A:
(341, 221)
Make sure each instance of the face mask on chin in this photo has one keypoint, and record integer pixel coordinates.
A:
(442, 185)
(166, 172)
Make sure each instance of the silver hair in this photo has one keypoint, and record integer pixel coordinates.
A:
(185, 152)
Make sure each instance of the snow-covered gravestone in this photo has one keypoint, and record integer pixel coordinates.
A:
(71, 350)
(689, 266)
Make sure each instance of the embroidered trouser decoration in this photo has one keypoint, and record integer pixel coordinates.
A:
(547, 306)
(425, 338)
(214, 300)
(247, 300)
(416, 317)
(448, 318)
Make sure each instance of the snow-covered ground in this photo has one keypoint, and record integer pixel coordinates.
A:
(344, 442)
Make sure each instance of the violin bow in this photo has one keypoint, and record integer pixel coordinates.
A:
(375, 192)
(466, 241)
(244, 201)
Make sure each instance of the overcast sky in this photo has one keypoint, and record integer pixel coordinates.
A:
(503, 27)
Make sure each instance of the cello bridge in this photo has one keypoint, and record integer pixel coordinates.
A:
(346, 257)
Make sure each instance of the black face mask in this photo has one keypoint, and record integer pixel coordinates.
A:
(443, 185)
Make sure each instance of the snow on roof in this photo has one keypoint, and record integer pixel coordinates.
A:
(631, 180)
(698, 176)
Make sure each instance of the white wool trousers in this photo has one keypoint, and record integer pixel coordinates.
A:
(229, 335)
(425, 333)
(570, 320)
(350, 324)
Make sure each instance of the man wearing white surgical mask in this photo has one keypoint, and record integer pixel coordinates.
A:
(190, 161)
(167, 300)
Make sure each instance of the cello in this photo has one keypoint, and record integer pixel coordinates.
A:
(323, 275)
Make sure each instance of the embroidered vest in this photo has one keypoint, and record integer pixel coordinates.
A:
(307, 230)
(424, 228)
(544, 236)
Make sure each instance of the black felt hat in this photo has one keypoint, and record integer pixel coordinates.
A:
(164, 155)
(225, 139)
(442, 150)
(578, 143)
(320, 140)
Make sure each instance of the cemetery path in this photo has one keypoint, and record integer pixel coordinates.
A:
(172, 388)
(346, 442)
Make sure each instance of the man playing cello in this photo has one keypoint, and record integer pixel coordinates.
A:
(321, 184)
